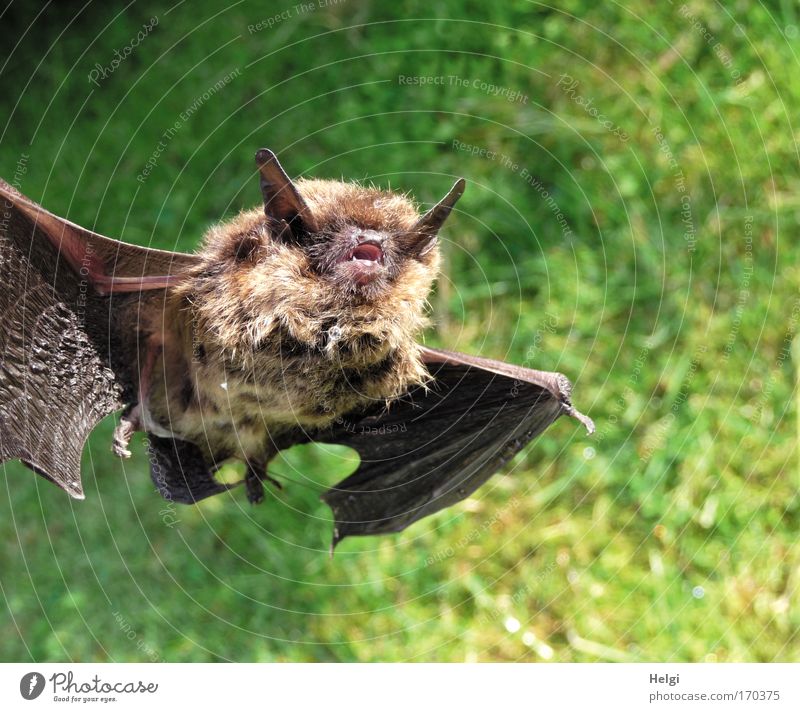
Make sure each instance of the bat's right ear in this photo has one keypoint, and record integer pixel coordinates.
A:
(282, 200)
(433, 220)
(427, 227)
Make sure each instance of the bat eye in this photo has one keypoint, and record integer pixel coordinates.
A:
(297, 229)
(292, 231)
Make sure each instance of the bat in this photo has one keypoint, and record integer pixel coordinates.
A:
(296, 322)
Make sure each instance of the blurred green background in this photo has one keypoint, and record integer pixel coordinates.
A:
(630, 220)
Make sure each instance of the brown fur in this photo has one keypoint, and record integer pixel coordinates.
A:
(267, 334)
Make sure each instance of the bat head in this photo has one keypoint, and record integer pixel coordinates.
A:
(327, 268)
(360, 240)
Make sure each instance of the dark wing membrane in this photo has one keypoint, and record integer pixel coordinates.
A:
(180, 472)
(57, 336)
(435, 447)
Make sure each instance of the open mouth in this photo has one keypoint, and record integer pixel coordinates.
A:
(364, 263)
(367, 252)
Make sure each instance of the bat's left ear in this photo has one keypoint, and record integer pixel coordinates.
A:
(428, 226)
(282, 200)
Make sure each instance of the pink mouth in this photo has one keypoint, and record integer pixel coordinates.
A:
(367, 251)
(364, 263)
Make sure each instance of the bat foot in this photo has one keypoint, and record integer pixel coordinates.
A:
(254, 482)
(120, 450)
(127, 426)
(255, 490)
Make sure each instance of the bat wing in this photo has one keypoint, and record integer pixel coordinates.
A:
(62, 364)
(437, 446)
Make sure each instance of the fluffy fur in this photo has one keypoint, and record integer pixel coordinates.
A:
(271, 332)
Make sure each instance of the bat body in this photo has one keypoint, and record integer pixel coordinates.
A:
(296, 322)
(274, 331)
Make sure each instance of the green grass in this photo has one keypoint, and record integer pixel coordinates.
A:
(672, 535)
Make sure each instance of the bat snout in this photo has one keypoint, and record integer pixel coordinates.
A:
(364, 262)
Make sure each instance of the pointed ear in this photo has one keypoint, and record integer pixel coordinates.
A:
(282, 200)
(428, 226)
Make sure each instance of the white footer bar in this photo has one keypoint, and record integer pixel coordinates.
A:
(387, 687)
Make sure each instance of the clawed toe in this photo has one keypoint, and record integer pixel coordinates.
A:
(119, 448)
(254, 481)
(255, 490)
(124, 431)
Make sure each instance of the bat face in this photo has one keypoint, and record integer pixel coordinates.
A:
(364, 242)
(361, 240)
